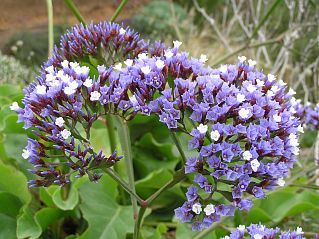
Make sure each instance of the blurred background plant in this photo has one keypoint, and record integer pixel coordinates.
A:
(282, 35)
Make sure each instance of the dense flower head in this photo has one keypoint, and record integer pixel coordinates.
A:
(242, 122)
(308, 114)
(259, 231)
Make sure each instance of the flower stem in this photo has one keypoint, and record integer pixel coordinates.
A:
(138, 223)
(124, 137)
(179, 146)
(50, 27)
(75, 11)
(118, 10)
(119, 180)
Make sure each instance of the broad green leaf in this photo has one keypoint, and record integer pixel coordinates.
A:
(106, 219)
(183, 230)
(9, 204)
(7, 227)
(160, 230)
(46, 216)
(27, 226)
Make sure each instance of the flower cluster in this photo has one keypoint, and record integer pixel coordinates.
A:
(247, 138)
(308, 114)
(258, 231)
(242, 120)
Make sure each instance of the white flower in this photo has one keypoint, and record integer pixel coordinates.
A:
(209, 209)
(202, 128)
(300, 129)
(247, 155)
(59, 121)
(68, 90)
(128, 62)
(159, 64)
(271, 77)
(258, 236)
(241, 227)
(251, 88)
(223, 68)
(244, 113)
(291, 92)
(254, 165)
(142, 56)
(177, 44)
(295, 150)
(146, 70)
(281, 182)
(251, 62)
(74, 65)
(82, 70)
(65, 64)
(88, 83)
(275, 88)
(122, 31)
(225, 237)
(240, 98)
(203, 58)
(214, 135)
(277, 118)
(73, 84)
(25, 153)
(293, 140)
(270, 93)
(49, 78)
(50, 69)
(282, 83)
(14, 49)
(41, 89)
(14, 106)
(65, 134)
(118, 66)
(64, 78)
(241, 58)
(168, 54)
(197, 208)
(95, 95)
(299, 230)
(260, 83)
(19, 43)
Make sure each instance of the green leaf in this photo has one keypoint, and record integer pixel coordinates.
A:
(7, 225)
(183, 230)
(106, 219)
(9, 204)
(27, 226)
(46, 216)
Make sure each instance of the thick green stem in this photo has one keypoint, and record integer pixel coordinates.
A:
(50, 27)
(120, 181)
(75, 11)
(138, 223)
(179, 146)
(125, 140)
(118, 10)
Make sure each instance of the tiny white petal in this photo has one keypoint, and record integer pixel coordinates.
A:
(88, 83)
(299, 230)
(14, 106)
(65, 134)
(50, 69)
(281, 182)
(74, 65)
(160, 64)
(300, 129)
(244, 113)
(277, 118)
(133, 99)
(128, 62)
(254, 165)
(251, 88)
(247, 155)
(69, 90)
(241, 227)
(197, 208)
(209, 209)
(242, 59)
(177, 44)
(95, 95)
(122, 31)
(146, 70)
(260, 83)
(291, 92)
(214, 135)
(41, 89)
(59, 121)
(25, 153)
(203, 58)
(168, 54)
(202, 128)
(223, 69)
(282, 83)
(142, 56)
(240, 98)
(251, 62)
(65, 64)
(258, 236)
(271, 77)
(118, 66)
